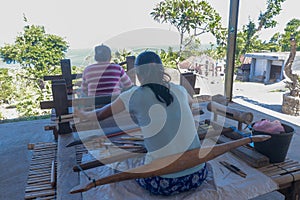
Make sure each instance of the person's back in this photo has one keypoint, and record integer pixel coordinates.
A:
(163, 112)
(104, 78)
(167, 130)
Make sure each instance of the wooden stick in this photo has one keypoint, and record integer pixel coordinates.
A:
(107, 135)
(108, 160)
(231, 113)
(53, 174)
(233, 168)
(126, 155)
(135, 129)
(171, 164)
(66, 116)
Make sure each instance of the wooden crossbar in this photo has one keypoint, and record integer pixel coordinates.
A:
(57, 77)
(96, 101)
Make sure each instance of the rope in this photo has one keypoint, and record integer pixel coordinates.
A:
(287, 172)
(93, 180)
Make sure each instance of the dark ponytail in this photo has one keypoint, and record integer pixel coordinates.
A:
(158, 87)
(162, 93)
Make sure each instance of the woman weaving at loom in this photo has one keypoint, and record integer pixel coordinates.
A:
(163, 111)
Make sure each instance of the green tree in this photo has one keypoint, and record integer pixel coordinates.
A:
(248, 37)
(39, 54)
(274, 45)
(120, 56)
(7, 86)
(292, 29)
(281, 41)
(169, 58)
(191, 18)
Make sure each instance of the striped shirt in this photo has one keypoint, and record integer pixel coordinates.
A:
(104, 79)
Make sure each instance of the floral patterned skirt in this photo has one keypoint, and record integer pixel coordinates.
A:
(169, 186)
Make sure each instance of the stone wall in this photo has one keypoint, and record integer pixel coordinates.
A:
(291, 105)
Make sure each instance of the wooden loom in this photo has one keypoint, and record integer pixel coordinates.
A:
(176, 163)
(286, 174)
(171, 164)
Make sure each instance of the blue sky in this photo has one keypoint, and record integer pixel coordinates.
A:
(85, 24)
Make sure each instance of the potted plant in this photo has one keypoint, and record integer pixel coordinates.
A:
(291, 99)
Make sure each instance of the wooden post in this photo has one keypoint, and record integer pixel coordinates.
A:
(130, 68)
(60, 98)
(188, 80)
(231, 41)
(67, 74)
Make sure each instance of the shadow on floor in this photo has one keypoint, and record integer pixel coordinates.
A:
(274, 107)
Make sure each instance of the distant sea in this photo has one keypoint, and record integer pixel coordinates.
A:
(83, 57)
(79, 57)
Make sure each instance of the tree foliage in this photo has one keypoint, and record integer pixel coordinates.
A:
(169, 58)
(281, 41)
(248, 38)
(39, 54)
(191, 18)
(35, 50)
(292, 29)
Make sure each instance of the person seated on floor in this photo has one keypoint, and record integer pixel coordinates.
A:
(163, 111)
(104, 78)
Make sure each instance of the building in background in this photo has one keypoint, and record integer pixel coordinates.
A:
(266, 67)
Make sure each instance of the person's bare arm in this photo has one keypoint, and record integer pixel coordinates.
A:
(107, 111)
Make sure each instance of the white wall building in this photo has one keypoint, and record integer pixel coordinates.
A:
(269, 67)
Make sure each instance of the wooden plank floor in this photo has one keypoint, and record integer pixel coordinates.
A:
(39, 177)
(287, 175)
(39, 184)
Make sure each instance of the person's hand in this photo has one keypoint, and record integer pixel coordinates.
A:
(81, 114)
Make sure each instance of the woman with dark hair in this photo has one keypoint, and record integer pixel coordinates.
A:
(163, 112)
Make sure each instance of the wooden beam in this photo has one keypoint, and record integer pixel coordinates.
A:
(60, 98)
(130, 66)
(249, 155)
(231, 41)
(188, 80)
(57, 77)
(96, 101)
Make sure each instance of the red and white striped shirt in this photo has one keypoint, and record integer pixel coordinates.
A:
(104, 79)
